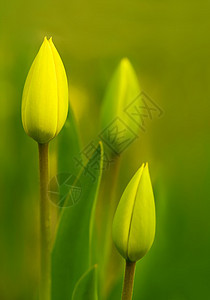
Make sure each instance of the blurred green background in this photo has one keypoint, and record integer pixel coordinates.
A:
(168, 43)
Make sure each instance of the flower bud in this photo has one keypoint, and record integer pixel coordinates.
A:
(45, 95)
(122, 90)
(133, 228)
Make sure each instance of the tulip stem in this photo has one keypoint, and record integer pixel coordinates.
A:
(44, 290)
(128, 280)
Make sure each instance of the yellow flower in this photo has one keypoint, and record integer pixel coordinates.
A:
(134, 222)
(45, 95)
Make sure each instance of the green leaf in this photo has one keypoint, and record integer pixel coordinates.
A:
(86, 287)
(66, 148)
(116, 290)
(68, 142)
(71, 251)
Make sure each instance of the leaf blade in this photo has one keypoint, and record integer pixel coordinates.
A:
(70, 255)
(86, 287)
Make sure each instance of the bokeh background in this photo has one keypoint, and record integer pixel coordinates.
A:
(168, 43)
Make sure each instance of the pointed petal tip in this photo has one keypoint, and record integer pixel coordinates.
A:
(125, 62)
(45, 39)
(143, 165)
(146, 166)
(48, 40)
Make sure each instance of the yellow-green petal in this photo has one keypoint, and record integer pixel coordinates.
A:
(123, 215)
(134, 221)
(142, 229)
(122, 90)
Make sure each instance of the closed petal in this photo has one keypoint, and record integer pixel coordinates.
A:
(62, 86)
(134, 221)
(40, 97)
(123, 215)
(122, 90)
(142, 227)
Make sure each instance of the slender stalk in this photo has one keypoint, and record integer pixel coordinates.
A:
(44, 292)
(128, 280)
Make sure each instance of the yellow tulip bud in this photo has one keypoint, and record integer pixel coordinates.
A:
(133, 228)
(45, 95)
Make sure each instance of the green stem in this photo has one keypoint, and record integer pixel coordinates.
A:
(128, 280)
(44, 224)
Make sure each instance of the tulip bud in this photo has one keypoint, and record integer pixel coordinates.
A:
(122, 90)
(133, 228)
(45, 95)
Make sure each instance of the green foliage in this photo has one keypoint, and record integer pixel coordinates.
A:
(86, 287)
(168, 44)
(68, 145)
(71, 253)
